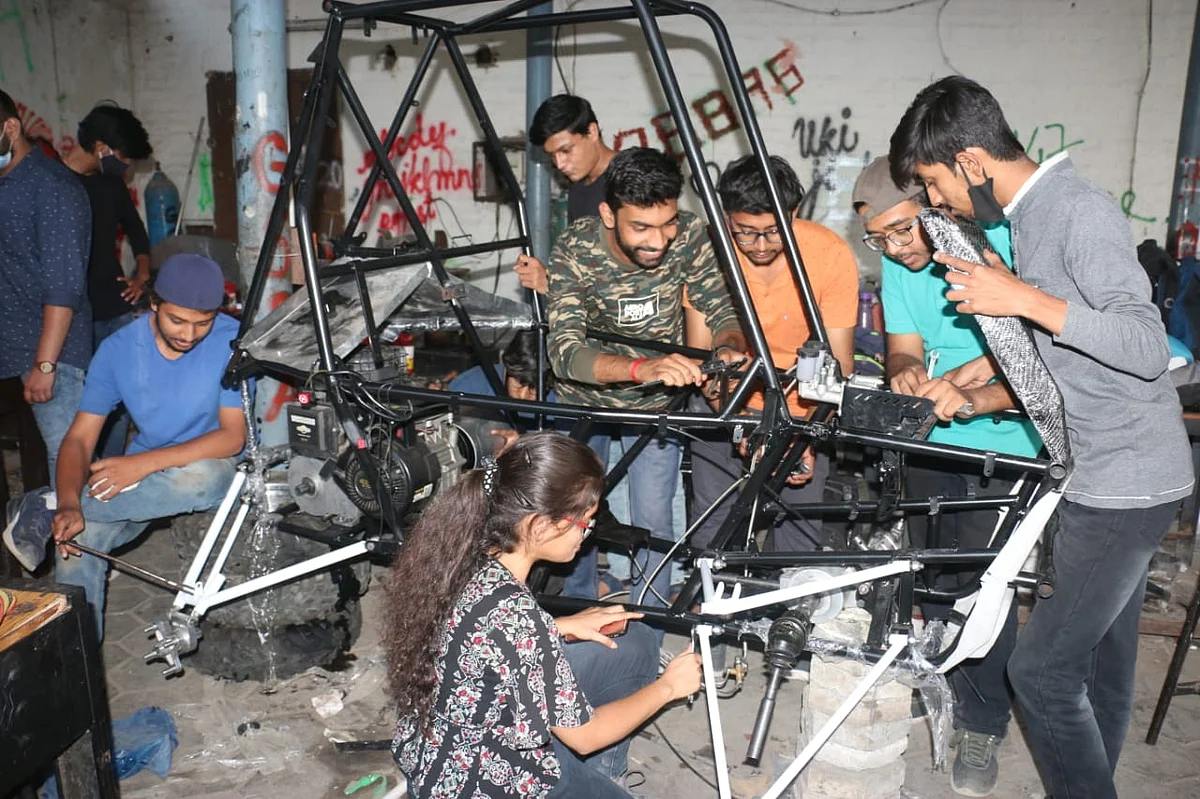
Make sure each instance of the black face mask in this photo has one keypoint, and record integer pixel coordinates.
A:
(983, 200)
(112, 166)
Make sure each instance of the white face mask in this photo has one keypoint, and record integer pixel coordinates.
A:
(6, 159)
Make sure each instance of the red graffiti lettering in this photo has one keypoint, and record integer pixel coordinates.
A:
(283, 395)
(668, 134)
(716, 114)
(638, 133)
(137, 202)
(427, 170)
(270, 156)
(783, 69)
(283, 392)
(752, 80)
(714, 109)
(38, 131)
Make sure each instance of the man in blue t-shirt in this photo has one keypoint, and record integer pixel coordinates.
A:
(927, 342)
(166, 368)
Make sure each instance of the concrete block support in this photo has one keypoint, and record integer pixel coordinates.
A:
(864, 758)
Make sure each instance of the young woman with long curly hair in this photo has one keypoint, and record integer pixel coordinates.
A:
(492, 702)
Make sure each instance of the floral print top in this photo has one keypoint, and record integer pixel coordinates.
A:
(502, 683)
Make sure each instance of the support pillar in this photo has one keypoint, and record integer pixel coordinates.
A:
(538, 77)
(1186, 184)
(260, 149)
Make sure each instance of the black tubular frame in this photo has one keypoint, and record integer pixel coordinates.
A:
(775, 427)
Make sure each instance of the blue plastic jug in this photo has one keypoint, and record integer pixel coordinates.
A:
(162, 206)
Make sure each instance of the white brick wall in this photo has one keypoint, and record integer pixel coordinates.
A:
(1065, 72)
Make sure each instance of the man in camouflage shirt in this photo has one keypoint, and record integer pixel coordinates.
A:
(625, 272)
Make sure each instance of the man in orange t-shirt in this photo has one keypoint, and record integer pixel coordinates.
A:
(833, 273)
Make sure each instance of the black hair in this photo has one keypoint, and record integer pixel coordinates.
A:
(8, 108)
(118, 128)
(945, 118)
(642, 177)
(542, 474)
(520, 359)
(744, 191)
(561, 112)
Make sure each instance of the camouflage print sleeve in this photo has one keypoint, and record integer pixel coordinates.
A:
(571, 357)
(706, 288)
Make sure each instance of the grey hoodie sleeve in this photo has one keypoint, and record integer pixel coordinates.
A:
(1117, 324)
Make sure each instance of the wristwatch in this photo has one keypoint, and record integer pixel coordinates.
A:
(966, 411)
(46, 367)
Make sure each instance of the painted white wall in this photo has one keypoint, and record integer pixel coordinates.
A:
(58, 59)
(1068, 73)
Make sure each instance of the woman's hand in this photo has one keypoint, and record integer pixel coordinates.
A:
(683, 675)
(585, 625)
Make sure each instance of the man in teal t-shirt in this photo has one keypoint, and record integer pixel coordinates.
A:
(927, 342)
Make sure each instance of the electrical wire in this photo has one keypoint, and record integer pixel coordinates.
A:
(682, 759)
(937, 29)
(688, 534)
(1141, 92)
(837, 12)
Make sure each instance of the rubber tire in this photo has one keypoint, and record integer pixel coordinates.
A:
(314, 619)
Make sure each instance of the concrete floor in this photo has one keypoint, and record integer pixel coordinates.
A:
(253, 741)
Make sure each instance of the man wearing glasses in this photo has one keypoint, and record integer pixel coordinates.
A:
(833, 274)
(927, 343)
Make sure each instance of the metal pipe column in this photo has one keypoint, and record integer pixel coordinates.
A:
(1189, 141)
(259, 36)
(538, 83)
(538, 76)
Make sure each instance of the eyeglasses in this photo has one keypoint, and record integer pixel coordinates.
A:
(588, 527)
(900, 237)
(748, 238)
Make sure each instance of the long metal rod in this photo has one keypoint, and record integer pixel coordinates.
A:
(406, 102)
(758, 146)
(718, 232)
(480, 23)
(327, 65)
(704, 633)
(275, 223)
(130, 569)
(591, 15)
(389, 259)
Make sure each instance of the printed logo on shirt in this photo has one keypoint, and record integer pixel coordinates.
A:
(636, 310)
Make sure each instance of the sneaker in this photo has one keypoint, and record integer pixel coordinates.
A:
(976, 768)
(28, 529)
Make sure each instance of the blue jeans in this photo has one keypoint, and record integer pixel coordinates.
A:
(618, 504)
(54, 417)
(716, 465)
(981, 696)
(108, 525)
(605, 675)
(653, 476)
(1073, 667)
(116, 427)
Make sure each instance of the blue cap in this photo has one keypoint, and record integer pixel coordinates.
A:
(191, 281)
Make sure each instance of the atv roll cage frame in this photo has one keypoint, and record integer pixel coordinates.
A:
(846, 413)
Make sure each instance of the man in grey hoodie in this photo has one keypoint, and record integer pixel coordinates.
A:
(1078, 283)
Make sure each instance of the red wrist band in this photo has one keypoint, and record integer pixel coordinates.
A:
(633, 368)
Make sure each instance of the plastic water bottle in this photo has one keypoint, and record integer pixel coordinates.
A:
(866, 310)
(162, 206)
